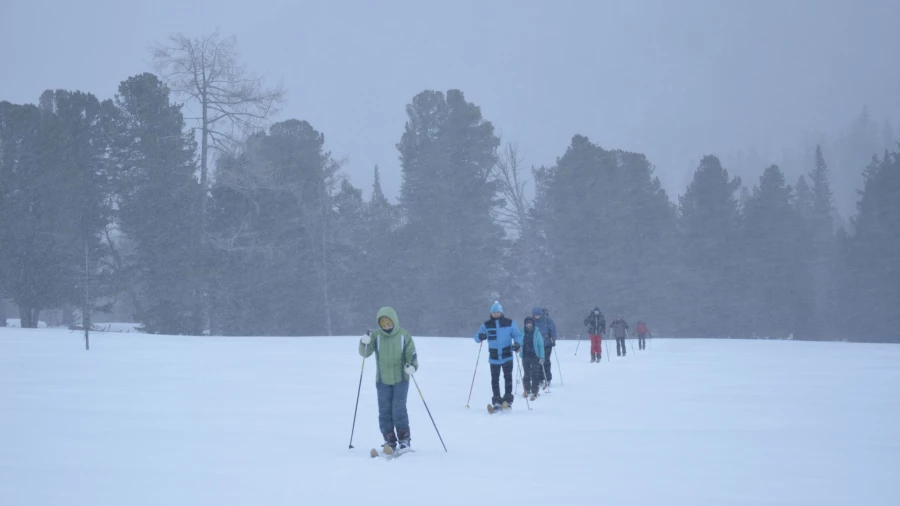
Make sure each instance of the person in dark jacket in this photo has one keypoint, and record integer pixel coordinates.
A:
(596, 325)
(532, 358)
(503, 337)
(619, 330)
(547, 327)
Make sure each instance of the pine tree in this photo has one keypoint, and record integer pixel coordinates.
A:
(822, 246)
(804, 200)
(606, 226)
(872, 289)
(450, 244)
(775, 303)
(53, 202)
(709, 228)
(271, 226)
(158, 209)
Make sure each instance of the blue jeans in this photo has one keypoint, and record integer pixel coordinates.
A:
(392, 406)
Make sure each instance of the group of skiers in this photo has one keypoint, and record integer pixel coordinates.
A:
(596, 324)
(397, 362)
(534, 346)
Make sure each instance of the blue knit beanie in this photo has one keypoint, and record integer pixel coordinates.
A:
(496, 307)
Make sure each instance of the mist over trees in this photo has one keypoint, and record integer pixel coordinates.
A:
(251, 227)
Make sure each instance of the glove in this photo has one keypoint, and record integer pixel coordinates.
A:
(552, 342)
(516, 347)
(365, 339)
(482, 336)
(542, 361)
(410, 369)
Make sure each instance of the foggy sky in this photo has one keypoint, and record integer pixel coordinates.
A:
(674, 80)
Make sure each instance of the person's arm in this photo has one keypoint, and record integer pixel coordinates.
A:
(367, 345)
(481, 335)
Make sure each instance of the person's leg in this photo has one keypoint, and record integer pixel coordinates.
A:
(547, 353)
(495, 383)
(508, 394)
(386, 413)
(398, 408)
(528, 373)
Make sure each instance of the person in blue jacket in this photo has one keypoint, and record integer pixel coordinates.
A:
(547, 327)
(532, 358)
(504, 338)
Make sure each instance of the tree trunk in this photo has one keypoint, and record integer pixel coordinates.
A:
(68, 316)
(120, 265)
(28, 316)
(327, 305)
(206, 303)
(86, 312)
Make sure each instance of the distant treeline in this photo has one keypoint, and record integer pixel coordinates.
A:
(236, 225)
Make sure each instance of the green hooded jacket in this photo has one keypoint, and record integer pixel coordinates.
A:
(393, 352)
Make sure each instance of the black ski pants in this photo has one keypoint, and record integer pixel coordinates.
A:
(642, 343)
(507, 380)
(547, 352)
(620, 346)
(532, 374)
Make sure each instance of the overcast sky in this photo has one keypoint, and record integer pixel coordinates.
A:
(672, 79)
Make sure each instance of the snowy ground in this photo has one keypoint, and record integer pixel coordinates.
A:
(149, 420)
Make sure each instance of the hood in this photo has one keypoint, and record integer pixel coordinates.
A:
(597, 309)
(390, 313)
(536, 312)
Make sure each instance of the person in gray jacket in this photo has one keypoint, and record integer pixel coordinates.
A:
(618, 329)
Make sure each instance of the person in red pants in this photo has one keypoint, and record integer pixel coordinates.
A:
(596, 324)
(642, 332)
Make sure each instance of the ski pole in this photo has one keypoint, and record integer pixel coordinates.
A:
(562, 382)
(429, 413)
(522, 369)
(358, 390)
(476, 372)
(579, 343)
(546, 383)
(517, 374)
(629, 339)
(607, 347)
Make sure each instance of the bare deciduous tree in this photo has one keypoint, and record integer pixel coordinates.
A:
(231, 102)
(507, 172)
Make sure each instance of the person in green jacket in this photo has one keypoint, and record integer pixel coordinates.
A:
(396, 360)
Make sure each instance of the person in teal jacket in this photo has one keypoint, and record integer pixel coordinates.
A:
(532, 354)
(396, 361)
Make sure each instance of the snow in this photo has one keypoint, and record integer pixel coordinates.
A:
(161, 420)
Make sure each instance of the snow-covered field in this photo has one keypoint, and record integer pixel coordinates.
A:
(150, 420)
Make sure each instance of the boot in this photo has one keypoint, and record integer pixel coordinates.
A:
(509, 398)
(403, 437)
(496, 402)
(390, 440)
(593, 358)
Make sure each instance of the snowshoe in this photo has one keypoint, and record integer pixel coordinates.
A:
(386, 452)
